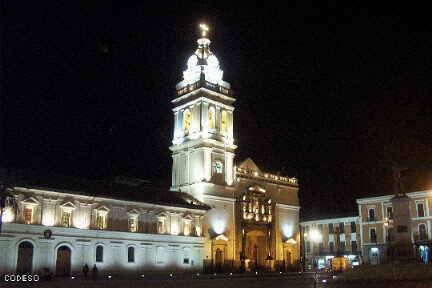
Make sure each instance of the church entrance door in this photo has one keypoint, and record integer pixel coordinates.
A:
(63, 263)
(256, 249)
(25, 258)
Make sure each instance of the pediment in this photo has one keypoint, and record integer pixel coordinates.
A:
(250, 165)
(133, 212)
(103, 209)
(68, 205)
(30, 201)
(162, 214)
(188, 217)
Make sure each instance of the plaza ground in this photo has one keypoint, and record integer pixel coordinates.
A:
(224, 281)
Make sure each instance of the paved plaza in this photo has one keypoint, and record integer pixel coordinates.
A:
(221, 281)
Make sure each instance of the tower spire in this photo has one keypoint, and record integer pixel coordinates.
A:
(204, 30)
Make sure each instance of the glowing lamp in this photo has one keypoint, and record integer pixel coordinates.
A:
(8, 215)
(218, 226)
(48, 219)
(287, 230)
(315, 235)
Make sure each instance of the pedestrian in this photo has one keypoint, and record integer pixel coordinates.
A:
(316, 278)
(85, 270)
(95, 272)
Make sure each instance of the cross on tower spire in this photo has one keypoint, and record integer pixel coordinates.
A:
(204, 29)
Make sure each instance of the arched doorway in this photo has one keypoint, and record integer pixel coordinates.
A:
(256, 249)
(63, 262)
(218, 260)
(25, 258)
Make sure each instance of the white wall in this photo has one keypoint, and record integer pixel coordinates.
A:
(83, 246)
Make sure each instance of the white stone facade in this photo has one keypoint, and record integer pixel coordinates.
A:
(135, 237)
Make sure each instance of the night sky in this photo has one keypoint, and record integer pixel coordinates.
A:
(329, 94)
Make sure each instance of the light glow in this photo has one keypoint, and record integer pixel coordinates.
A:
(218, 226)
(287, 230)
(315, 235)
(48, 219)
(204, 29)
(8, 215)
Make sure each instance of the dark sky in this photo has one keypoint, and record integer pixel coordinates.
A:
(331, 94)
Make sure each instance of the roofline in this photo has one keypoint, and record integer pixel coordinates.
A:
(331, 220)
(99, 198)
(415, 194)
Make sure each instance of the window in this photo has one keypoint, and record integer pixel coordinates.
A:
(186, 261)
(331, 247)
(133, 224)
(224, 121)
(218, 167)
(308, 247)
(341, 228)
(28, 215)
(160, 255)
(390, 212)
(186, 227)
(420, 209)
(354, 246)
(342, 246)
(99, 253)
(211, 118)
(198, 229)
(372, 234)
(101, 220)
(330, 227)
(371, 214)
(131, 254)
(422, 232)
(187, 119)
(66, 218)
(353, 227)
(320, 248)
(161, 225)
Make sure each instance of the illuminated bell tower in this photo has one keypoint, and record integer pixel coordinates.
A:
(203, 144)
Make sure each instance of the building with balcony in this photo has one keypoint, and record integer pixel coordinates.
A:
(377, 229)
(323, 239)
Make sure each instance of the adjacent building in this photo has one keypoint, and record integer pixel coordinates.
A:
(378, 231)
(320, 243)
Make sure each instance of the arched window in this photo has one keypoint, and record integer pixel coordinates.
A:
(99, 253)
(131, 254)
(211, 118)
(224, 122)
(371, 214)
(187, 119)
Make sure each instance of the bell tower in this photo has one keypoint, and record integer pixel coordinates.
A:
(203, 143)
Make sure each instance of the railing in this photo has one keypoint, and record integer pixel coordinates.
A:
(215, 87)
(267, 176)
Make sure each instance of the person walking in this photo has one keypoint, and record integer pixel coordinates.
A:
(85, 270)
(95, 272)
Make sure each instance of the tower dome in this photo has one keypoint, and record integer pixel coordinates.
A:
(203, 61)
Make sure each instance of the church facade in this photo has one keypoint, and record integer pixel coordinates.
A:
(218, 215)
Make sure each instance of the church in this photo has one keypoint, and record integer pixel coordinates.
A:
(220, 215)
